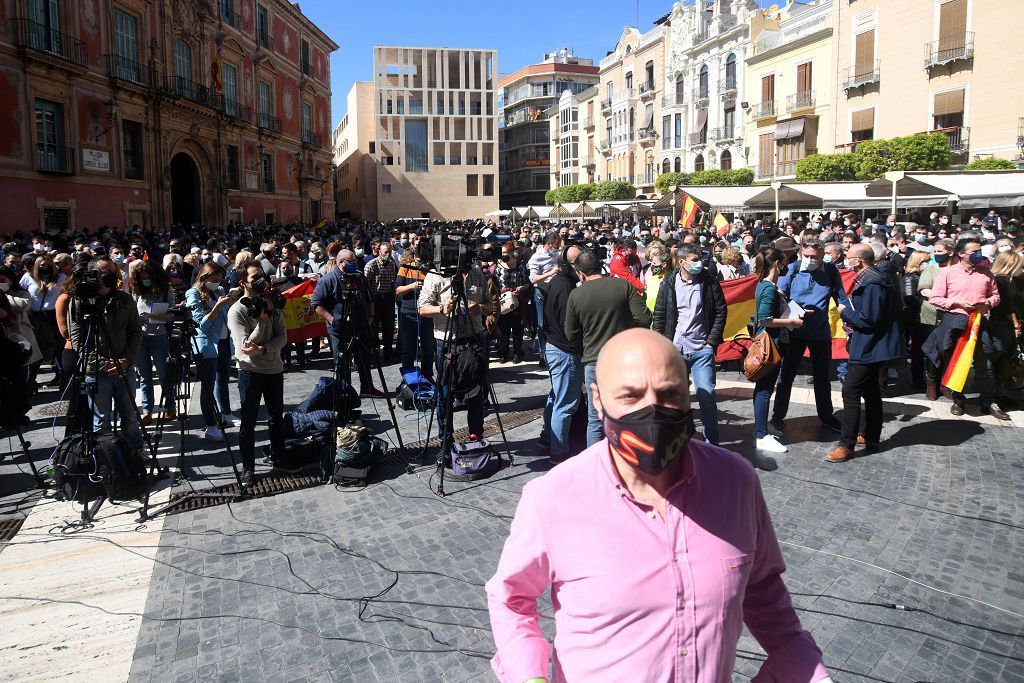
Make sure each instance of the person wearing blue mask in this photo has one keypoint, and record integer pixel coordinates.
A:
(691, 311)
(811, 284)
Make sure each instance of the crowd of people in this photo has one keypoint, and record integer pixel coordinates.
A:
(552, 293)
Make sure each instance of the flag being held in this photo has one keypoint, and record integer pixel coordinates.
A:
(720, 224)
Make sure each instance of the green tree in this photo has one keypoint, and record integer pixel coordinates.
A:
(990, 165)
(920, 152)
(827, 167)
(615, 190)
(873, 159)
(717, 176)
(665, 181)
(569, 193)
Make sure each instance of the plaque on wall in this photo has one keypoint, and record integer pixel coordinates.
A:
(95, 160)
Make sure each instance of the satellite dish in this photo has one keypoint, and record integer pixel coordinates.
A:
(773, 10)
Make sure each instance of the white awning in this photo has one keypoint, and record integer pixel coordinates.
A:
(973, 190)
(500, 213)
(720, 197)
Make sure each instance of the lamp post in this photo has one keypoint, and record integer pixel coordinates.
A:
(111, 107)
(672, 202)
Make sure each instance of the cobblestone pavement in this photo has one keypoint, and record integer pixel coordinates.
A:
(385, 583)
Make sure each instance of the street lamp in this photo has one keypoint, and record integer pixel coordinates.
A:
(111, 107)
(672, 201)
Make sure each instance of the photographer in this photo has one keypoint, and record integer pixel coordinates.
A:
(258, 333)
(209, 307)
(109, 346)
(329, 302)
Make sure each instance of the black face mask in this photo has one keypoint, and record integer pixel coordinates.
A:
(650, 439)
(46, 271)
(941, 259)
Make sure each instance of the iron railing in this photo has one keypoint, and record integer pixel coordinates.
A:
(949, 49)
(701, 93)
(647, 89)
(312, 139)
(698, 139)
(727, 86)
(229, 16)
(763, 110)
(588, 124)
(647, 134)
(723, 133)
(237, 110)
(268, 122)
(124, 69)
(179, 86)
(265, 40)
(41, 38)
(862, 74)
(800, 100)
(55, 159)
(678, 99)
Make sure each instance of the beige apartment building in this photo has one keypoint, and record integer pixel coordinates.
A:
(915, 66)
(432, 136)
(790, 87)
(573, 133)
(631, 87)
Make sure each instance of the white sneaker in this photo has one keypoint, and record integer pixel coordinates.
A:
(231, 420)
(770, 443)
(214, 433)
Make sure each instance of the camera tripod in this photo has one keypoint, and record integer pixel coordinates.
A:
(446, 401)
(95, 328)
(349, 342)
(184, 354)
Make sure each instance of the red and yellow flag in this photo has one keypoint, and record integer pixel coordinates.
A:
(963, 354)
(300, 320)
(320, 223)
(689, 210)
(720, 224)
(216, 73)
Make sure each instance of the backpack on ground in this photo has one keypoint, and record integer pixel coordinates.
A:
(416, 392)
(111, 469)
(357, 452)
(474, 459)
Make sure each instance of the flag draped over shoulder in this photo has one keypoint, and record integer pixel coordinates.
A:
(739, 296)
(963, 354)
(300, 320)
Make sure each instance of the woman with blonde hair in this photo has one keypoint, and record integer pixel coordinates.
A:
(732, 265)
(209, 306)
(1004, 324)
(657, 270)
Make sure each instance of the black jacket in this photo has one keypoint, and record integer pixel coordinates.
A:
(666, 313)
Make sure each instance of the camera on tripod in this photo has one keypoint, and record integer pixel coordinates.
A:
(595, 247)
(87, 290)
(446, 253)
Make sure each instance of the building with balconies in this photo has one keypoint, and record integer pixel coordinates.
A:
(526, 166)
(573, 150)
(632, 90)
(701, 126)
(431, 137)
(789, 87)
(138, 113)
(965, 86)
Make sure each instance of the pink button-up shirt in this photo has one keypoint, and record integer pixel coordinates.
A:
(956, 284)
(638, 597)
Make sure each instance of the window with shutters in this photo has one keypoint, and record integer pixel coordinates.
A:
(677, 166)
(803, 78)
(766, 155)
(767, 106)
(126, 46)
(702, 82)
(948, 109)
(864, 54)
(862, 125)
(954, 41)
(231, 173)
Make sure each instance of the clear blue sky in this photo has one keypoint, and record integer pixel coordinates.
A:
(520, 30)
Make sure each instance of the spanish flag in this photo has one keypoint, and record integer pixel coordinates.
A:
(216, 73)
(690, 209)
(720, 224)
(320, 223)
(963, 354)
(300, 320)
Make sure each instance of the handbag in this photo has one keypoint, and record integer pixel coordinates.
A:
(509, 302)
(762, 357)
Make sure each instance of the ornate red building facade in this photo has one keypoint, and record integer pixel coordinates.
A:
(125, 112)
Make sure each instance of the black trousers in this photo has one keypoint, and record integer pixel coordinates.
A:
(862, 383)
(252, 388)
(384, 322)
(511, 333)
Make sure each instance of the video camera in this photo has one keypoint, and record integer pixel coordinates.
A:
(596, 247)
(447, 253)
(268, 300)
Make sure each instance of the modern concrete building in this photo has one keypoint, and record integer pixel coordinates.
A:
(432, 136)
(790, 87)
(702, 125)
(632, 83)
(929, 65)
(525, 164)
(152, 113)
(572, 129)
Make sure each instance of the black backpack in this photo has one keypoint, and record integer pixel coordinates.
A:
(110, 470)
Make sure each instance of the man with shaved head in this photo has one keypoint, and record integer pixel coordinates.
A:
(657, 547)
(872, 320)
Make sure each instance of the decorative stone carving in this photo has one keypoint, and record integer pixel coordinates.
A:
(185, 17)
(288, 102)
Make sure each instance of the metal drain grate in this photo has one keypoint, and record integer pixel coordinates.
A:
(264, 487)
(9, 527)
(510, 421)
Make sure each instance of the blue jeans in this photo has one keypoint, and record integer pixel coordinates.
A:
(111, 389)
(763, 389)
(821, 361)
(595, 427)
(152, 351)
(701, 365)
(474, 407)
(563, 398)
(538, 306)
(218, 372)
(417, 334)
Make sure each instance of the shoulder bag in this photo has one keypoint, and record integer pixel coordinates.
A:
(763, 355)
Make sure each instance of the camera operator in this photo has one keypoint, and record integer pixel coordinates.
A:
(328, 302)
(109, 346)
(437, 301)
(258, 333)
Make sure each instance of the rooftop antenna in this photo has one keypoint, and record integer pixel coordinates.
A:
(637, 15)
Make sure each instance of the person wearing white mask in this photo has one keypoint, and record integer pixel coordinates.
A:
(209, 306)
(811, 284)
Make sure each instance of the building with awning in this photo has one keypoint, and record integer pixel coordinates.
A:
(725, 198)
(970, 190)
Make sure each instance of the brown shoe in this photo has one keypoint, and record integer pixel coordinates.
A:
(869, 445)
(146, 418)
(839, 454)
(169, 415)
(946, 392)
(931, 391)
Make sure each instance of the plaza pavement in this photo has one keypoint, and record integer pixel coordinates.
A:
(385, 583)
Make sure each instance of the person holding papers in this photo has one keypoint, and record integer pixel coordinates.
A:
(153, 297)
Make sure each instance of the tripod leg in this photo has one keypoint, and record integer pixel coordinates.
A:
(501, 427)
(387, 397)
(25, 446)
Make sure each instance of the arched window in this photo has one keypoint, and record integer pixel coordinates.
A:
(730, 72)
(725, 161)
(698, 163)
(666, 166)
(678, 168)
(703, 80)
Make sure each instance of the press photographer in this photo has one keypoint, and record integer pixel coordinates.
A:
(258, 333)
(106, 332)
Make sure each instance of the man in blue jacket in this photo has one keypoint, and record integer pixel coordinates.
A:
(873, 325)
(811, 284)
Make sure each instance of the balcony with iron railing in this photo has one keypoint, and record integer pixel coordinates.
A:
(588, 124)
(847, 147)
(237, 110)
(948, 50)
(666, 143)
(55, 159)
(763, 110)
(604, 145)
(124, 69)
(312, 139)
(42, 39)
(606, 105)
(701, 36)
(800, 100)
(723, 133)
(645, 180)
(178, 86)
(647, 90)
(647, 135)
(727, 22)
(229, 16)
(959, 138)
(268, 122)
(701, 94)
(698, 139)
(675, 100)
(264, 40)
(860, 75)
(727, 86)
